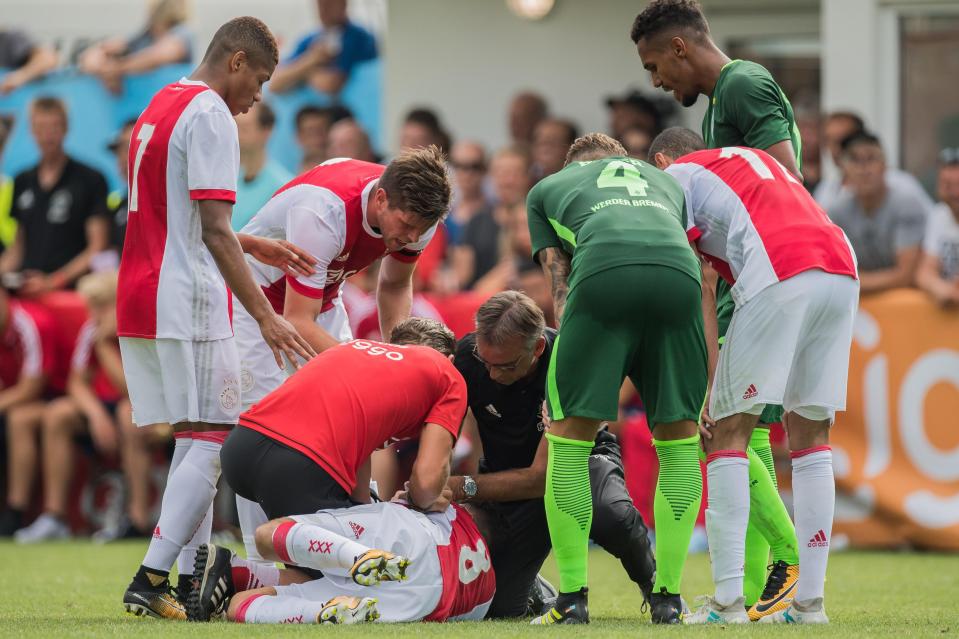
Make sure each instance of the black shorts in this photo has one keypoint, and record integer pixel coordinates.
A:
(283, 481)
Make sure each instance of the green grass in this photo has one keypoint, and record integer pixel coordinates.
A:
(74, 589)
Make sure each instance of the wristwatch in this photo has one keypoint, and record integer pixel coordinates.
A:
(469, 487)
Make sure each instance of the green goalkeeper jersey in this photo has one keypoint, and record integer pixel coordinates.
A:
(611, 212)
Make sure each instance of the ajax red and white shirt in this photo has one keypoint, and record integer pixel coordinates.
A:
(755, 222)
(183, 150)
(323, 211)
(357, 397)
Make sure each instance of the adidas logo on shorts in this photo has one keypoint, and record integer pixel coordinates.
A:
(357, 529)
(750, 392)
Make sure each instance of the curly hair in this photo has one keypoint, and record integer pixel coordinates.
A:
(416, 181)
(664, 14)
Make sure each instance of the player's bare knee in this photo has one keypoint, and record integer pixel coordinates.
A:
(263, 536)
(582, 428)
(808, 427)
(675, 430)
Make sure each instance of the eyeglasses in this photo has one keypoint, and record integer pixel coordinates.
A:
(949, 156)
(477, 167)
(506, 368)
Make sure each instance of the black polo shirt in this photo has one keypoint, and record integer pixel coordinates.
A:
(54, 220)
(509, 418)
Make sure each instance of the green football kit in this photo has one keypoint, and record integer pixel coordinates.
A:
(634, 310)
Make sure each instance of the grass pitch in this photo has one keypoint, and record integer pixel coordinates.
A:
(73, 590)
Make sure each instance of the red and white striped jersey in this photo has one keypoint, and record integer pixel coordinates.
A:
(323, 211)
(468, 577)
(184, 149)
(28, 344)
(85, 361)
(754, 222)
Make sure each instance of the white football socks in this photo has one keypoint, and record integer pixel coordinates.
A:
(248, 575)
(814, 502)
(186, 500)
(727, 515)
(312, 546)
(274, 609)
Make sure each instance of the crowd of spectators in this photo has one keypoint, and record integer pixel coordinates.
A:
(61, 231)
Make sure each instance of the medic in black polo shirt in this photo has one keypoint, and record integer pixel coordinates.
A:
(504, 364)
(59, 206)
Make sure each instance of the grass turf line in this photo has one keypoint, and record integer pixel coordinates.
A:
(73, 589)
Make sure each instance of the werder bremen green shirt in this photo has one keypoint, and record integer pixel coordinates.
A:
(611, 212)
(748, 108)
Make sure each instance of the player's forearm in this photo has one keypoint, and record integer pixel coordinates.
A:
(228, 255)
(308, 329)
(393, 301)
(507, 485)
(884, 279)
(556, 265)
(710, 324)
(25, 390)
(290, 74)
(426, 484)
(81, 392)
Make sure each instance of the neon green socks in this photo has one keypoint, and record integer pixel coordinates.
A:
(766, 509)
(679, 492)
(569, 508)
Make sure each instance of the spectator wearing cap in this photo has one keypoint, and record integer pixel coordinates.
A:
(28, 365)
(838, 126)
(59, 207)
(551, 140)
(165, 39)
(884, 224)
(631, 110)
(325, 58)
(349, 140)
(24, 59)
(260, 176)
(938, 272)
(526, 110)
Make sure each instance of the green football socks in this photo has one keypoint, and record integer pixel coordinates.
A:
(569, 508)
(679, 492)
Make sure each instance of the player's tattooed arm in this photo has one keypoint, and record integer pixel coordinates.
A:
(555, 262)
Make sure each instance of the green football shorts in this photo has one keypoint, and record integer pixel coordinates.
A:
(643, 321)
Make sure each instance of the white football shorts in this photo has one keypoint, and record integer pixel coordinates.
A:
(789, 345)
(259, 374)
(172, 381)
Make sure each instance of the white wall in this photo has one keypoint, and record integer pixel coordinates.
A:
(467, 58)
(69, 20)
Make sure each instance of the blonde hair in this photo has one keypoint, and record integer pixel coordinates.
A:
(594, 146)
(98, 289)
(167, 14)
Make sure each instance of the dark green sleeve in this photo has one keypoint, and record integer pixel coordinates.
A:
(755, 104)
(541, 232)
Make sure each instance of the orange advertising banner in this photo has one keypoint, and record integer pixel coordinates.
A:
(896, 448)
